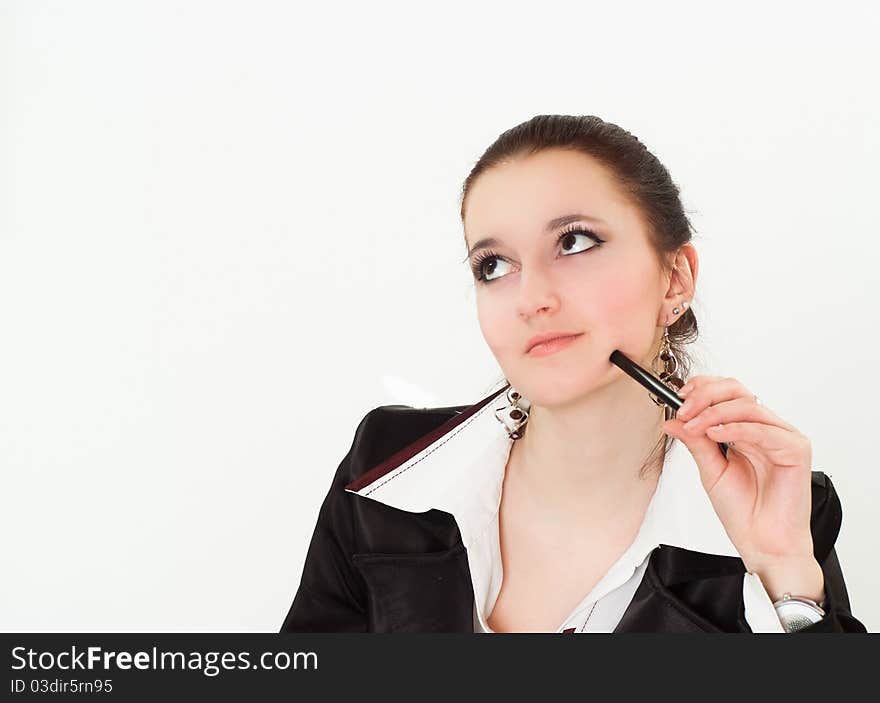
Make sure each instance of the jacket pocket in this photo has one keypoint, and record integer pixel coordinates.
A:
(418, 592)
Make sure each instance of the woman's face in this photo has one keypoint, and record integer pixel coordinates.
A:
(607, 286)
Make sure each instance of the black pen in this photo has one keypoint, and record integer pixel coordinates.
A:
(652, 383)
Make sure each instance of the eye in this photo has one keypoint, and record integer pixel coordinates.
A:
(485, 264)
(568, 239)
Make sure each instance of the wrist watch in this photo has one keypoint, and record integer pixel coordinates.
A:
(796, 613)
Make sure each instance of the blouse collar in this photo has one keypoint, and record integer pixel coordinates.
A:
(459, 468)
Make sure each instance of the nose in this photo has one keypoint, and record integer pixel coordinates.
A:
(536, 295)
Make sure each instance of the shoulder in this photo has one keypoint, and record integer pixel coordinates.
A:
(384, 436)
(388, 429)
(826, 514)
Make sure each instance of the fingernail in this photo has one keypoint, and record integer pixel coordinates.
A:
(684, 390)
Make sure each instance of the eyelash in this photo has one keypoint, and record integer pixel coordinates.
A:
(483, 256)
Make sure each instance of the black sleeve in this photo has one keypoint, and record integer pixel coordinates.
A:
(825, 524)
(331, 593)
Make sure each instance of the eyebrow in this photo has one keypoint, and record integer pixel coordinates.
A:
(553, 224)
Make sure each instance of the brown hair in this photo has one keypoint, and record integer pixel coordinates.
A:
(639, 175)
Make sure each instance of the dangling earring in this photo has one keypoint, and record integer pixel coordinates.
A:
(512, 416)
(668, 373)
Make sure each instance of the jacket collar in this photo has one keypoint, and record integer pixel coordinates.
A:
(459, 468)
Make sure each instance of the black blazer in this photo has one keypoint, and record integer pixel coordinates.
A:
(371, 567)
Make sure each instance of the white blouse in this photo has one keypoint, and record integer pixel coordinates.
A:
(462, 472)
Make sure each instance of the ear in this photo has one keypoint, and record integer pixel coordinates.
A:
(681, 286)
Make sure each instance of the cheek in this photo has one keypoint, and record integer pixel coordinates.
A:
(624, 312)
(495, 325)
(601, 300)
(619, 298)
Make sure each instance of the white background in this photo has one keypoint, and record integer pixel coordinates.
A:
(228, 230)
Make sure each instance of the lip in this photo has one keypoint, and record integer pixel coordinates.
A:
(550, 342)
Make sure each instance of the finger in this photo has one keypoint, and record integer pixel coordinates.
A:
(695, 382)
(707, 390)
(710, 390)
(781, 446)
(710, 460)
(717, 390)
(736, 410)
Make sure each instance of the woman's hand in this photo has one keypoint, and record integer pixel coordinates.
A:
(761, 490)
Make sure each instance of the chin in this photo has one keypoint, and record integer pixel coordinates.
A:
(556, 387)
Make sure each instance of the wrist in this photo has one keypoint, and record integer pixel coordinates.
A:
(799, 577)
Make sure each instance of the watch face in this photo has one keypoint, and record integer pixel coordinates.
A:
(795, 615)
(796, 622)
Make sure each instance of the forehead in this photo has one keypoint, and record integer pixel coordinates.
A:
(529, 191)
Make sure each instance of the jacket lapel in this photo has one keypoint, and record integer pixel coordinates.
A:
(684, 591)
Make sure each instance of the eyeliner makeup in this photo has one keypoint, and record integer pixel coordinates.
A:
(652, 383)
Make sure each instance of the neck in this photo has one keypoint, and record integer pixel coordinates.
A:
(585, 456)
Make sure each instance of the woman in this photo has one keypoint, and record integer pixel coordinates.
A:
(562, 502)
